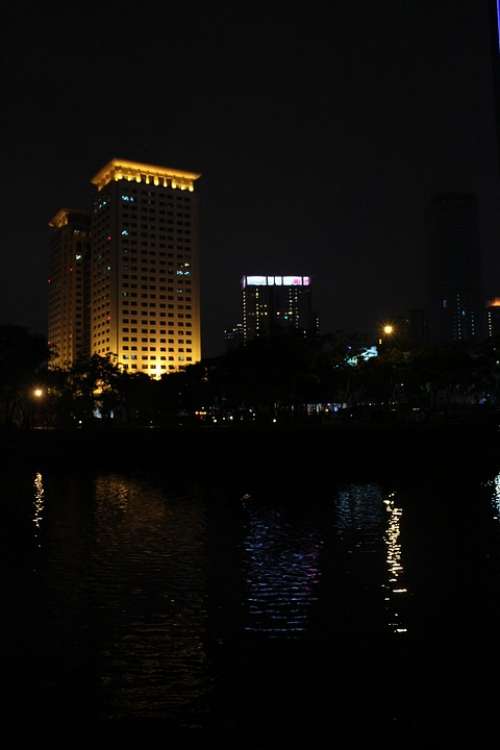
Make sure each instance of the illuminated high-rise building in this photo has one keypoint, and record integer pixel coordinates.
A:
(493, 317)
(145, 299)
(69, 287)
(455, 268)
(272, 305)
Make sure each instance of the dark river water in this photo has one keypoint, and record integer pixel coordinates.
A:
(130, 596)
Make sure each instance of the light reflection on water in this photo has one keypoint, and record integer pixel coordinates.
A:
(38, 507)
(149, 568)
(120, 594)
(123, 591)
(394, 587)
(369, 521)
(281, 569)
(286, 555)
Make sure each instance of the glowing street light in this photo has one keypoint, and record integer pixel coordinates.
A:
(38, 392)
(388, 330)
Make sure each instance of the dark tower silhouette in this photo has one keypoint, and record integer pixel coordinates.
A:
(456, 312)
(495, 57)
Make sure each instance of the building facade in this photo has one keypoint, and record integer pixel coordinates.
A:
(456, 307)
(69, 287)
(272, 305)
(143, 269)
(493, 317)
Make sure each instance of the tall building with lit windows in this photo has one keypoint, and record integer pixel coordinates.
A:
(145, 300)
(493, 317)
(456, 302)
(69, 286)
(277, 304)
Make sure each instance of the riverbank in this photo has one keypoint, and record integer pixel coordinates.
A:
(282, 451)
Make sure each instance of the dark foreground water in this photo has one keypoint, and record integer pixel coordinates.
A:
(247, 604)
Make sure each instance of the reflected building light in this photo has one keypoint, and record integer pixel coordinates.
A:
(282, 572)
(38, 505)
(358, 510)
(117, 493)
(395, 569)
(495, 496)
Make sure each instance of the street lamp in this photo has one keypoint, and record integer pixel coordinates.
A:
(386, 331)
(38, 392)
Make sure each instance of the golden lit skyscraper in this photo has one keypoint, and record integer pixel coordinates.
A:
(145, 299)
(69, 294)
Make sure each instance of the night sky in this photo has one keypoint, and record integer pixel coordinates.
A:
(320, 141)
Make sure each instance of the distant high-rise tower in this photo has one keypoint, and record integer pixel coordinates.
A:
(277, 304)
(69, 291)
(456, 308)
(145, 300)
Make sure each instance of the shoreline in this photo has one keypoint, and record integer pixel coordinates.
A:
(285, 452)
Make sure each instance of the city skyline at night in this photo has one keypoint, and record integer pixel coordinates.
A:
(332, 176)
(250, 366)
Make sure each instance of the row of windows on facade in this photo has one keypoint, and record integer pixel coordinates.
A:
(183, 286)
(152, 234)
(181, 261)
(182, 253)
(157, 201)
(155, 341)
(102, 268)
(127, 348)
(136, 210)
(143, 221)
(159, 195)
(132, 245)
(153, 367)
(153, 283)
(153, 358)
(180, 284)
(151, 221)
(152, 322)
(126, 257)
(156, 286)
(135, 216)
(103, 304)
(147, 194)
(103, 297)
(139, 256)
(132, 307)
(101, 329)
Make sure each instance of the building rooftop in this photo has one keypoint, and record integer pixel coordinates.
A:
(133, 171)
(62, 217)
(275, 281)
